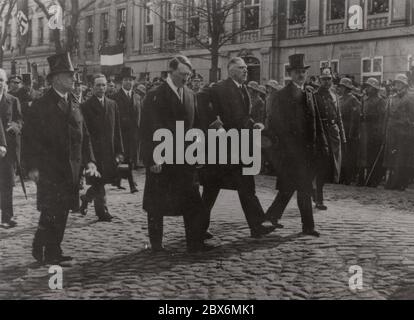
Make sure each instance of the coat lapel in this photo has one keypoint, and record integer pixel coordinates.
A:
(189, 107)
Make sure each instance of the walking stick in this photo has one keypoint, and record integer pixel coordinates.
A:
(375, 164)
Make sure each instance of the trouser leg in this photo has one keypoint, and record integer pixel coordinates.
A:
(131, 176)
(209, 197)
(250, 203)
(155, 228)
(304, 200)
(319, 181)
(100, 200)
(193, 214)
(6, 204)
(278, 207)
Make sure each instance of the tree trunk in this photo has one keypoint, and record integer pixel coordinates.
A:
(214, 64)
(1, 57)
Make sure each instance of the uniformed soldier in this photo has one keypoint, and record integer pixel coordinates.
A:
(372, 137)
(399, 140)
(350, 108)
(328, 169)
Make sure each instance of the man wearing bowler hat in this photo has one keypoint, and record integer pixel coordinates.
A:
(129, 104)
(298, 141)
(57, 147)
(329, 168)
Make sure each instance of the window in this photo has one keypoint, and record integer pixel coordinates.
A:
(251, 14)
(144, 76)
(286, 75)
(104, 28)
(29, 33)
(194, 21)
(333, 64)
(297, 12)
(170, 22)
(121, 23)
(89, 32)
(336, 9)
(40, 30)
(378, 6)
(149, 24)
(372, 68)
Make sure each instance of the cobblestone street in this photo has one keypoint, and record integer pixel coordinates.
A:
(365, 227)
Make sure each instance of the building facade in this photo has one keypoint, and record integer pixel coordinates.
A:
(266, 33)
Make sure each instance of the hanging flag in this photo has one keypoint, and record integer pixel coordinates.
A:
(112, 55)
(23, 23)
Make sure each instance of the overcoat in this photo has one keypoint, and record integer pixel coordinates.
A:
(105, 133)
(58, 145)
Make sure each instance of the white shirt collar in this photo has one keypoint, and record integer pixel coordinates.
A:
(62, 95)
(101, 100)
(173, 87)
(128, 93)
(298, 86)
(237, 84)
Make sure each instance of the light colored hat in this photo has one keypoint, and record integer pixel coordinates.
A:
(373, 83)
(142, 88)
(347, 83)
(401, 78)
(273, 84)
(326, 73)
(262, 89)
(253, 85)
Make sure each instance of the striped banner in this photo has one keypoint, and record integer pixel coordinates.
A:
(112, 55)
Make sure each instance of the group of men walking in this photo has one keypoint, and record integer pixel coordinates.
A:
(314, 136)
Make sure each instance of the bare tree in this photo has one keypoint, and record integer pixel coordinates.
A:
(217, 15)
(3, 35)
(73, 15)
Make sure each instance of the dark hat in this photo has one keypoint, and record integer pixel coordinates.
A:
(27, 78)
(15, 78)
(326, 73)
(127, 72)
(60, 63)
(297, 61)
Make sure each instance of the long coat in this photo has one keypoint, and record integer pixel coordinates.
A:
(234, 110)
(105, 133)
(399, 141)
(130, 119)
(372, 130)
(299, 140)
(166, 192)
(10, 112)
(328, 104)
(58, 145)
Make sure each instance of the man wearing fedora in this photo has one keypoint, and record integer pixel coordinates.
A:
(328, 168)
(129, 104)
(12, 122)
(57, 146)
(102, 119)
(372, 137)
(399, 136)
(350, 109)
(298, 141)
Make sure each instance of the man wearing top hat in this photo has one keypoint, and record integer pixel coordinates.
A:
(57, 146)
(129, 104)
(12, 122)
(372, 134)
(299, 141)
(350, 109)
(399, 136)
(328, 168)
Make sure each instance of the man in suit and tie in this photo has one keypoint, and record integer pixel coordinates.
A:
(171, 189)
(57, 147)
(12, 121)
(230, 101)
(102, 119)
(298, 142)
(129, 104)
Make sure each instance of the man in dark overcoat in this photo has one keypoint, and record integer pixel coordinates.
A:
(129, 104)
(102, 119)
(298, 139)
(231, 106)
(58, 146)
(171, 189)
(329, 168)
(12, 121)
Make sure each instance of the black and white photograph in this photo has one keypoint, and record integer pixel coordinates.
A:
(218, 152)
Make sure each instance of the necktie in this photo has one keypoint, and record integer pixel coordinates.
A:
(179, 94)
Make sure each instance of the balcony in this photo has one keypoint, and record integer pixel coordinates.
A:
(378, 21)
(296, 31)
(334, 27)
(249, 36)
(149, 49)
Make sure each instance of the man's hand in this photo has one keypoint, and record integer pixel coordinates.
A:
(92, 171)
(156, 168)
(3, 152)
(119, 158)
(259, 126)
(34, 175)
(13, 127)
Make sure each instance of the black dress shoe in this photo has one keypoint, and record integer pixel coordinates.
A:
(262, 231)
(312, 233)
(321, 207)
(83, 209)
(105, 218)
(208, 236)
(158, 249)
(201, 248)
(37, 253)
(135, 190)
